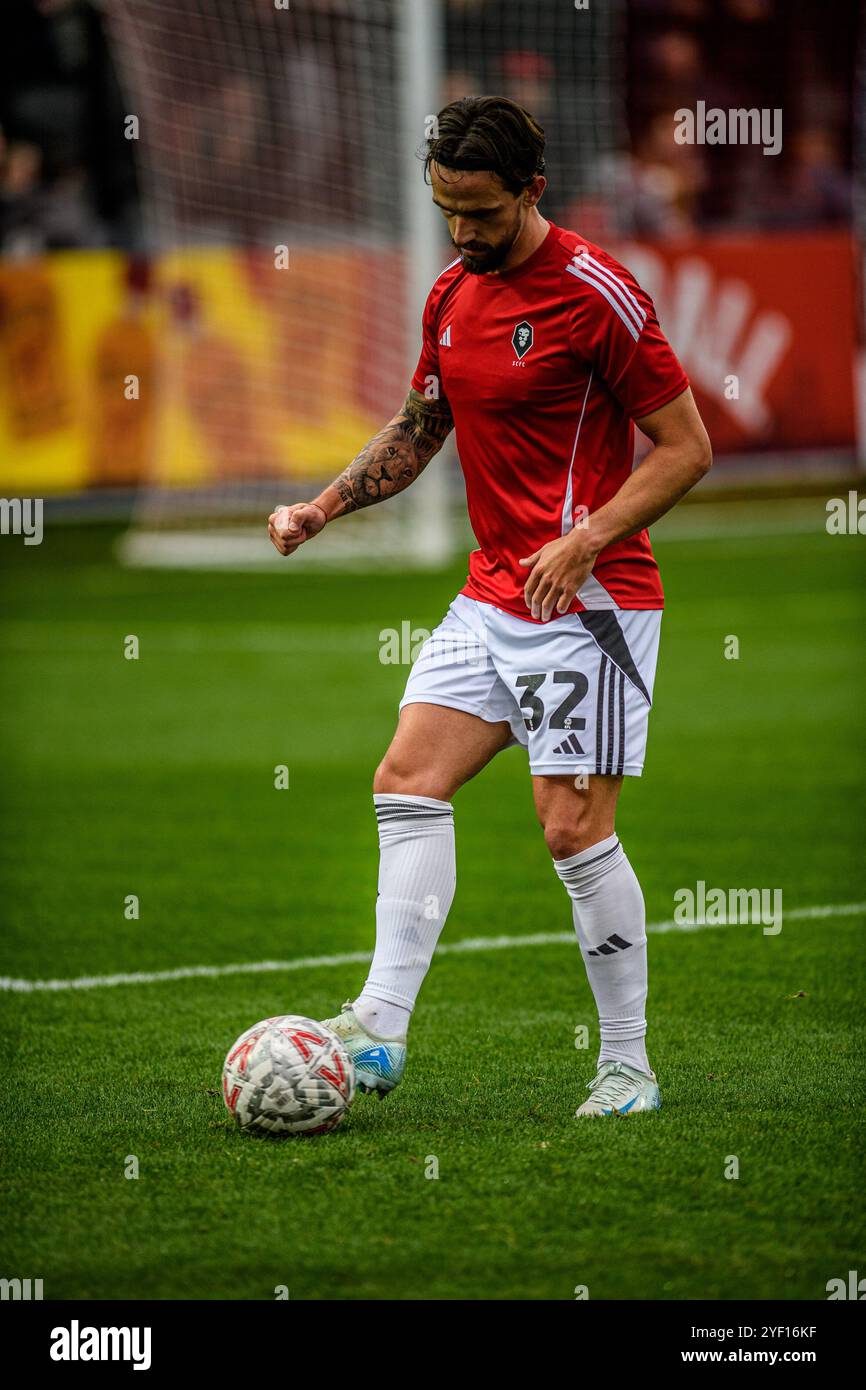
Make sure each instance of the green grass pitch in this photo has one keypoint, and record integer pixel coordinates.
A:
(156, 778)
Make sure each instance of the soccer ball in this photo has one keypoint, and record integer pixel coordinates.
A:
(288, 1075)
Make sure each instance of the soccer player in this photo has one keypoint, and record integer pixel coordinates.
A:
(540, 350)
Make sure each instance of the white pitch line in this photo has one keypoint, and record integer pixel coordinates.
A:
(469, 945)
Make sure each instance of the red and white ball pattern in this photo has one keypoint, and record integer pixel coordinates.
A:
(288, 1075)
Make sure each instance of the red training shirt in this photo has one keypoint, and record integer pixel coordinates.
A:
(544, 368)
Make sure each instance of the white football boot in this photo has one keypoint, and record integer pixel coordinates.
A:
(378, 1062)
(618, 1089)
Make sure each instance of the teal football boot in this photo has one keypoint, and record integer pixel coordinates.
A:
(378, 1062)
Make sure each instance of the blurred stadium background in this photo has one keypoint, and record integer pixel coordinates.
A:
(154, 156)
(163, 383)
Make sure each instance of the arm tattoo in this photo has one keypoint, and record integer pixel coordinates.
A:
(396, 456)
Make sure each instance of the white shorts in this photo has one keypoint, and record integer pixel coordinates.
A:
(576, 691)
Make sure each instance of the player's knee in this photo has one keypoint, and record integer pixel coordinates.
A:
(386, 780)
(397, 776)
(561, 840)
(567, 837)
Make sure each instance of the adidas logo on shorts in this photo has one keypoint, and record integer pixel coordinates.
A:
(570, 746)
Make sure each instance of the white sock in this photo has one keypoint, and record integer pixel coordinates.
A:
(417, 878)
(381, 1019)
(610, 921)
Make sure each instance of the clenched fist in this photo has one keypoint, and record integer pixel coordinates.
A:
(289, 527)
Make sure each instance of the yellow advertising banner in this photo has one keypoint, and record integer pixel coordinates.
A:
(209, 365)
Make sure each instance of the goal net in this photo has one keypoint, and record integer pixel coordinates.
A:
(292, 243)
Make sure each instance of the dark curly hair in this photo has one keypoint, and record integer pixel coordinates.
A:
(492, 133)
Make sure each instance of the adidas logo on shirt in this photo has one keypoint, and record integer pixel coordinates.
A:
(445, 340)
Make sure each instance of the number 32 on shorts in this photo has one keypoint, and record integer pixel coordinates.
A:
(533, 707)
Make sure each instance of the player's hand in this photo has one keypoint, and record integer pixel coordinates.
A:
(289, 527)
(558, 571)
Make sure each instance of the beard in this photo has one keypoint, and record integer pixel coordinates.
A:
(486, 259)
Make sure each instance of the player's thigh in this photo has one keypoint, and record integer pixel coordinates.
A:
(575, 812)
(436, 749)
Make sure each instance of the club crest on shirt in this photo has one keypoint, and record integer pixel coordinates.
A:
(522, 338)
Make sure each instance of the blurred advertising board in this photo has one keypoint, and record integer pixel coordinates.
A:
(767, 328)
(210, 365)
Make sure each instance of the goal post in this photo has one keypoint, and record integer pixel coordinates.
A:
(421, 68)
